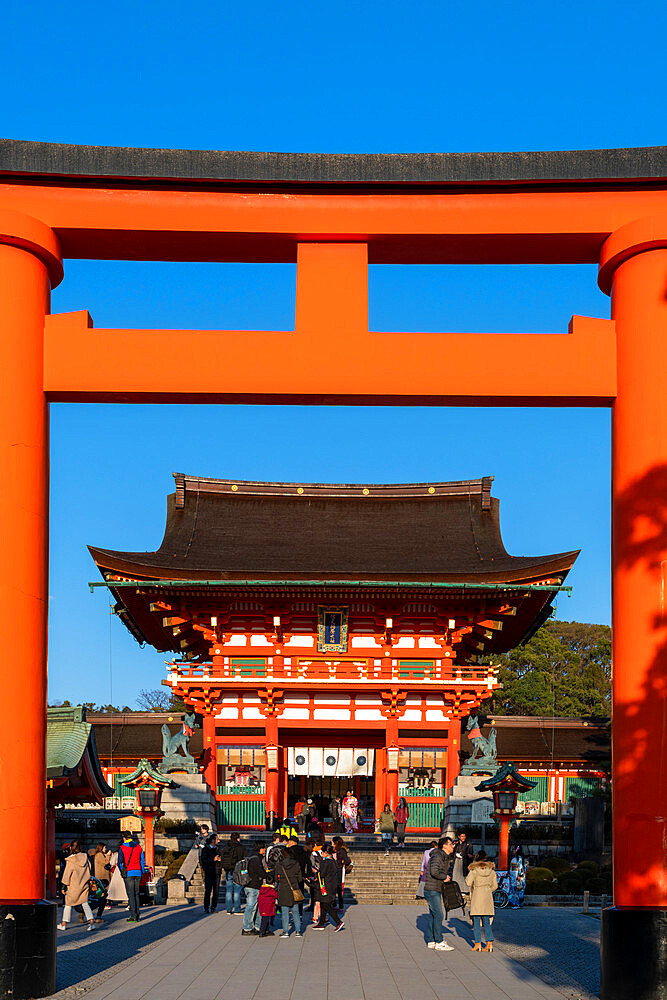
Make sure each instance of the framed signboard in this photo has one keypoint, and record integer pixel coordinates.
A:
(331, 629)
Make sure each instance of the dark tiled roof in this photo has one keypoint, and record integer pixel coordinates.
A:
(131, 738)
(222, 529)
(531, 740)
(522, 740)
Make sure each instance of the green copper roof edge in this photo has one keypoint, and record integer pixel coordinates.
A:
(113, 585)
(508, 770)
(145, 767)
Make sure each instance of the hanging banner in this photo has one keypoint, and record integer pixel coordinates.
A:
(316, 761)
(332, 629)
(345, 762)
(363, 762)
(330, 761)
(297, 760)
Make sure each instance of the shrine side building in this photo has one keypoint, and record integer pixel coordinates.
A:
(329, 635)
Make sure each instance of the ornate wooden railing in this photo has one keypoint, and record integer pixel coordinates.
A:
(317, 670)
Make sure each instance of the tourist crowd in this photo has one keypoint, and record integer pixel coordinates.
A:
(278, 880)
(285, 884)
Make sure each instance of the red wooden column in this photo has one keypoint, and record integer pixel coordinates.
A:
(272, 772)
(29, 263)
(453, 747)
(392, 775)
(634, 266)
(211, 758)
(380, 780)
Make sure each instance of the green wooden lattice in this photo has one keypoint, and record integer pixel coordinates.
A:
(241, 811)
(580, 788)
(248, 667)
(540, 793)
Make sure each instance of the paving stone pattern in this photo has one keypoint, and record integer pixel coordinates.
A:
(180, 954)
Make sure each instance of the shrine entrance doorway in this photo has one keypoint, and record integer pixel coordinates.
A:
(322, 789)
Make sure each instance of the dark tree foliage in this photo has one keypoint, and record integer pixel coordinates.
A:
(564, 670)
(159, 700)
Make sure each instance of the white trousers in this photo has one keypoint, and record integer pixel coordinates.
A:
(67, 912)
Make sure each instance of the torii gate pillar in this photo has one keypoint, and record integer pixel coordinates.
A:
(634, 932)
(29, 262)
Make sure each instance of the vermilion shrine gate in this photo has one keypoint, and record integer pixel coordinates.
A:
(334, 215)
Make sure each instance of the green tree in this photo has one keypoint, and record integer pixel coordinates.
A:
(564, 670)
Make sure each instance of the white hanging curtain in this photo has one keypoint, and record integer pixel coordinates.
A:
(297, 760)
(316, 761)
(345, 762)
(331, 755)
(363, 762)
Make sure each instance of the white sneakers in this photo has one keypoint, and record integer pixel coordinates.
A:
(443, 946)
(431, 944)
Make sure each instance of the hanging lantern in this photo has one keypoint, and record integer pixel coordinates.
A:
(393, 753)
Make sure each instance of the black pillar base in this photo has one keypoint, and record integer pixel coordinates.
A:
(633, 954)
(27, 950)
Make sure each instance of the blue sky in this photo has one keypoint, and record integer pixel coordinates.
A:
(377, 77)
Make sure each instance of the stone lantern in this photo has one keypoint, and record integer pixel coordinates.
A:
(505, 786)
(148, 785)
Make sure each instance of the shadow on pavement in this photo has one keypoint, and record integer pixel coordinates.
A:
(560, 948)
(82, 954)
(424, 925)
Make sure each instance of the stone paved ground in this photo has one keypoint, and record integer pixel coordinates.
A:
(178, 954)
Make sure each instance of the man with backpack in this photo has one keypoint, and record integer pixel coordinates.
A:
(277, 846)
(438, 870)
(132, 865)
(232, 852)
(250, 873)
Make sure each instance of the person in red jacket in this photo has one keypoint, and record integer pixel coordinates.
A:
(266, 905)
(402, 815)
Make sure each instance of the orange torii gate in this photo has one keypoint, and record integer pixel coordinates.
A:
(334, 215)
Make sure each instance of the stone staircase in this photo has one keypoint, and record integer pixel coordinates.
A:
(379, 879)
(374, 878)
(195, 890)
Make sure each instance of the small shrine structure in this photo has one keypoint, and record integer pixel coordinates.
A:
(336, 628)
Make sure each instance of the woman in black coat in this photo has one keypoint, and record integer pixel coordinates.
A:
(288, 874)
(328, 885)
(344, 865)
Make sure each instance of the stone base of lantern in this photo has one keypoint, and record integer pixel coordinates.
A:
(459, 806)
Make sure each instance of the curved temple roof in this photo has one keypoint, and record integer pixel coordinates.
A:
(219, 529)
(58, 160)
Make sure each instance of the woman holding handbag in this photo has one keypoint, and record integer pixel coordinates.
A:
(288, 873)
(327, 879)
